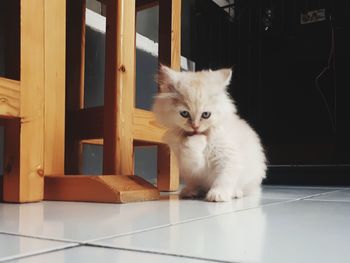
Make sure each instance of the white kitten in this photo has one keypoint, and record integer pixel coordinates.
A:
(219, 154)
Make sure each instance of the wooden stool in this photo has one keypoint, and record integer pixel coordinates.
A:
(36, 132)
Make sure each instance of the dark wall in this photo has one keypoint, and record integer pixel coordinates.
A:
(207, 34)
(299, 112)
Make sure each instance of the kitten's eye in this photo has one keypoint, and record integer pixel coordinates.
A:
(185, 114)
(206, 115)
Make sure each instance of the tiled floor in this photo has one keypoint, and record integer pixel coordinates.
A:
(287, 224)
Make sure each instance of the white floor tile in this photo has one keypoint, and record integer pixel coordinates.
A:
(95, 254)
(16, 246)
(74, 221)
(293, 192)
(341, 196)
(299, 231)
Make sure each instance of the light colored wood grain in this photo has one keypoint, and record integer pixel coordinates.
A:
(9, 97)
(55, 65)
(30, 184)
(146, 128)
(119, 88)
(176, 34)
(93, 141)
(32, 100)
(168, 171)
(74, 79)
(105, 188)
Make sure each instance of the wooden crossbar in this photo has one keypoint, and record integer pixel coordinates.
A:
(88, 124)
(140, 4)
(9, 98)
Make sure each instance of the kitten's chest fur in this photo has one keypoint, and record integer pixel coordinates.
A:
(198, 155)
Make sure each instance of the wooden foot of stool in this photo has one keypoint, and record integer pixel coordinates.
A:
(102, 188)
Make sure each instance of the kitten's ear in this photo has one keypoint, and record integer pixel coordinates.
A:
(167, 79)
(225, 75)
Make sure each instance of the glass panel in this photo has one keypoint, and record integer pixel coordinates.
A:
(94, 55)
(146, 60)
(92, 159)
(146, 163)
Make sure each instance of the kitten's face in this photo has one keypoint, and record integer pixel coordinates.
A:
(192, 101)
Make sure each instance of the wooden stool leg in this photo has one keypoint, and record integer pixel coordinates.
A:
(170, 55)
(55, 53)
(168, 173)
(119, 98)
(170, 33)
(27, 184)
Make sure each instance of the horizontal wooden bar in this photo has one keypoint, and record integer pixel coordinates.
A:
(140, 4)
(85, 123)
(105, 2)
(146, 128)
(93, 141)
(9, 98)
(135, 143)
(101, 188)
(144, 4)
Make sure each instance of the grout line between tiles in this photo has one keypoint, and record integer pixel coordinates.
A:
(173, 223)
(160, 253)
(324, 193)
(88, 242)
(40, 237)
(207, 217)
(304, 187)
(38, 252)
(324, 200)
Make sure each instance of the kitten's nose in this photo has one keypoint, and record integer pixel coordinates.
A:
(194, 126)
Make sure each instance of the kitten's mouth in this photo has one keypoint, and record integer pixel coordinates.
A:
(192, 133)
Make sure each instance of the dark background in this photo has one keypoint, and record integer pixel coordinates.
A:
(304, 125)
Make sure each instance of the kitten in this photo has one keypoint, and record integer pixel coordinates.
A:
(219, 154)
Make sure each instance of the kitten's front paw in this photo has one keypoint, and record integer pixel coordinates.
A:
(218, 194)
(189, 193)
(196, 142)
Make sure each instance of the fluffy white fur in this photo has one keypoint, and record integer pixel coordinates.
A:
(222, 157)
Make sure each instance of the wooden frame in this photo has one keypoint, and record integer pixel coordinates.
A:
(119, 125)
(33, 108)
